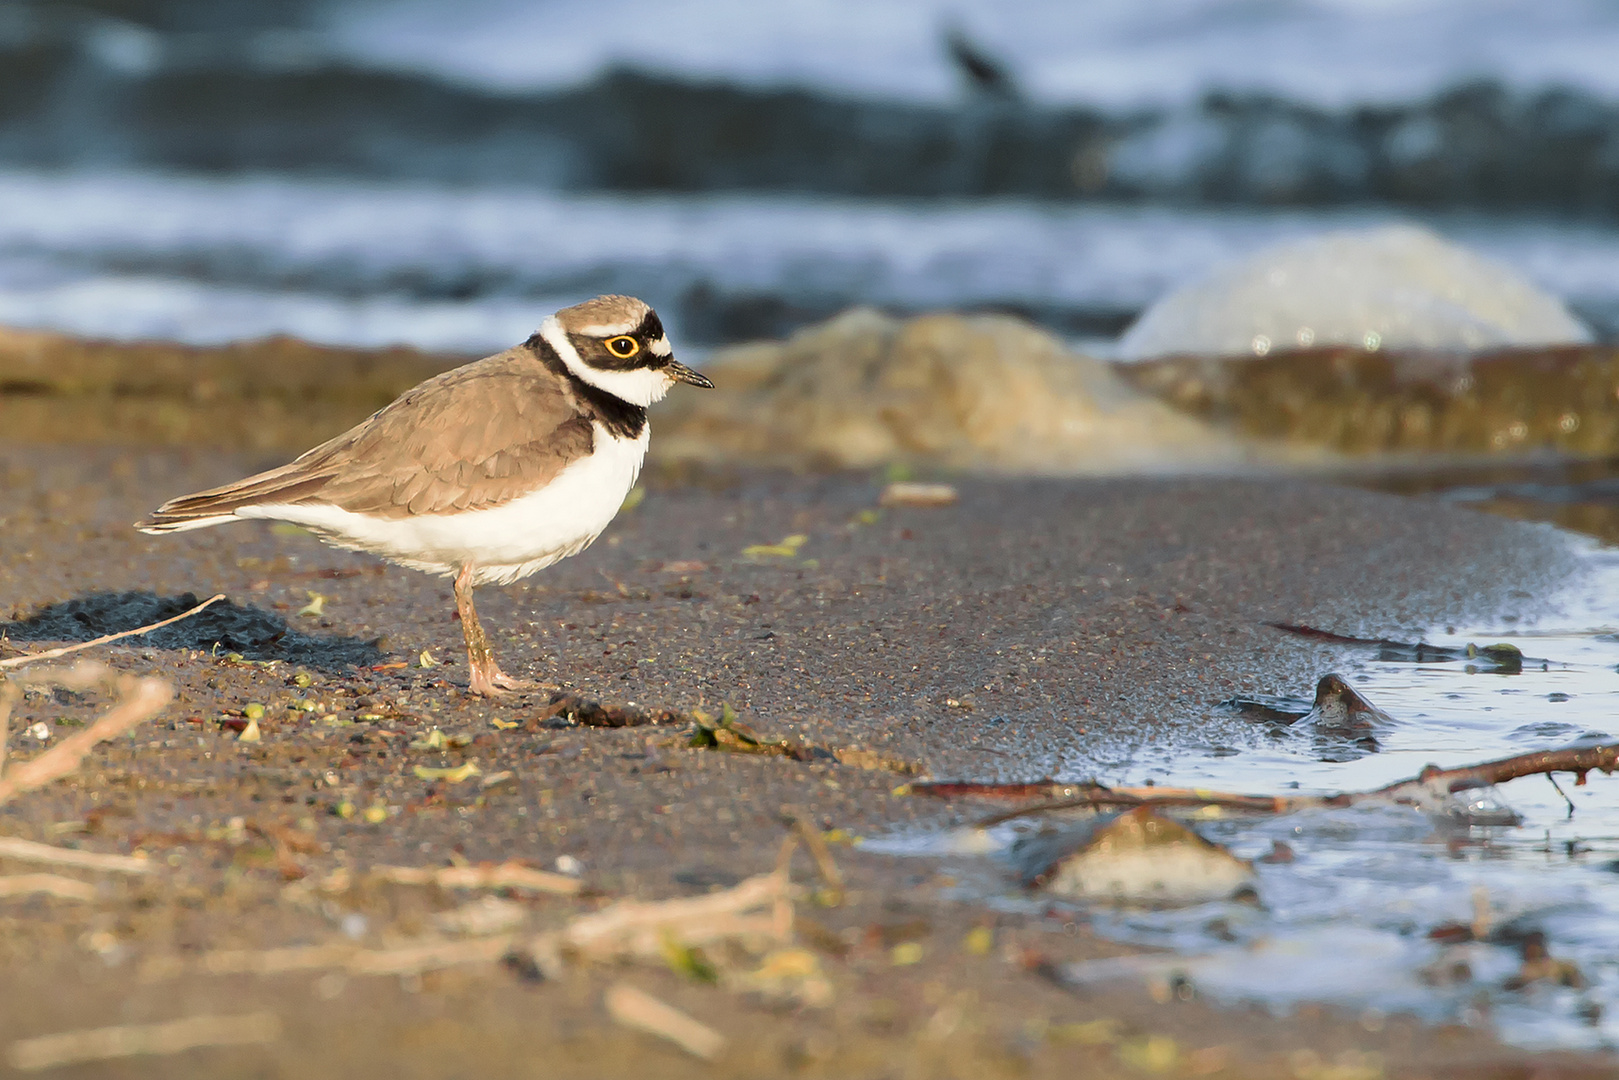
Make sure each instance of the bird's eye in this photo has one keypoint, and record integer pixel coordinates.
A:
(623, 346)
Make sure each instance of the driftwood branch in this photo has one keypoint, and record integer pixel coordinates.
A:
(1430, 789)
(51, 654)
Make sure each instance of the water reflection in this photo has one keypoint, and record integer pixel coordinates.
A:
(1388, 908)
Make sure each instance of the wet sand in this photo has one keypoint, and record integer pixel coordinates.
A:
(1033, 624)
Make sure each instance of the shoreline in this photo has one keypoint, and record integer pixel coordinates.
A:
(1032, 622)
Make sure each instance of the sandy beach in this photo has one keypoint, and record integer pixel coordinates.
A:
(1032, 622)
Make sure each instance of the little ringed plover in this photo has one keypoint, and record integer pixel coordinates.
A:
(484, 474)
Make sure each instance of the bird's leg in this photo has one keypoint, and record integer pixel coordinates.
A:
(487, 678)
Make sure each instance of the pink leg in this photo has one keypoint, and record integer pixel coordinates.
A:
(487, 678)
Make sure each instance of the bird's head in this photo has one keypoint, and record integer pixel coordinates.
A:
(617, 344)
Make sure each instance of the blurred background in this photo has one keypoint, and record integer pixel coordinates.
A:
(371, 172)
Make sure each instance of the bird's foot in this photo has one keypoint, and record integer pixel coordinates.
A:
(492, 682)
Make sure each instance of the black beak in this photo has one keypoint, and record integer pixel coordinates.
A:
(684, 374)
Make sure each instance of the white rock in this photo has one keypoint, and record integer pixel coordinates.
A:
(1396, 286)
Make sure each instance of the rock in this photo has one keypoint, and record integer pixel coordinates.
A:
(1392, 287)
(1514, 402)
(969, 392)
(1137, 857)
(1344, 723)
(1340, 709)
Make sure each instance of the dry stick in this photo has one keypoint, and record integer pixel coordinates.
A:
(51, 654)
(758, 908)
(12, 847)
(1428, 789)
(141, 698)
(63, 888)
(415, 959)
(130, 1040)
(824, 864)
(431, 955)
(632, 927)
(639, 1010)
(8, 697)
(507, 875)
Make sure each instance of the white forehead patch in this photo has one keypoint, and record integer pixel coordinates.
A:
(607, 330)
(638, 386)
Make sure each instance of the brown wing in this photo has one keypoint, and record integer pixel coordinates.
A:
(469, 439)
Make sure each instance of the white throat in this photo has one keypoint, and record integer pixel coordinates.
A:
(642, 386)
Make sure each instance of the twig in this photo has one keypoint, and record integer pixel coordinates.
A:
(1428, 790)
(1436, 782)
(415, 959)
(273, 961)
(1097, 795)
(63, 888)
(636, 928)
(8, 697)
(1559, 789)
(639, 1010)
(51, 654)
(507, 875)
(482, 917)
(405, 960)
(139, 700)
(12, 847)
(644, 930)
(131, 1040)
(822, 855)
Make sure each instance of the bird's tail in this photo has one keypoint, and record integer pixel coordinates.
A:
(289, 483)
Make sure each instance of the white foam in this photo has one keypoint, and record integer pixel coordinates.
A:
(141, 255)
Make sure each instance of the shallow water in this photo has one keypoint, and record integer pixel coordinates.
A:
(1347, 920)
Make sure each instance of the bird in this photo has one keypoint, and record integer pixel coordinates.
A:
(485, 473)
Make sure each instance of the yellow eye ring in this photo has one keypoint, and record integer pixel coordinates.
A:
(623, 346)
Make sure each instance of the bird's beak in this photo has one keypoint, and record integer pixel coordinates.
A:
(682, 373)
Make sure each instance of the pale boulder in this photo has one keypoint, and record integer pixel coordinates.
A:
(984, 392)
(1397, 286)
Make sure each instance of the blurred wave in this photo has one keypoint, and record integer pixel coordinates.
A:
(368, 172)
(213, 259)
(1436, 103)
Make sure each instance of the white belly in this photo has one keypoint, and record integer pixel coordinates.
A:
(504, 543)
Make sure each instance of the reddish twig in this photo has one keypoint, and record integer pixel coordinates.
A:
(1429, 789)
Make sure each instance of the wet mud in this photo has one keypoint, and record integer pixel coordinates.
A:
(1029, 625)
